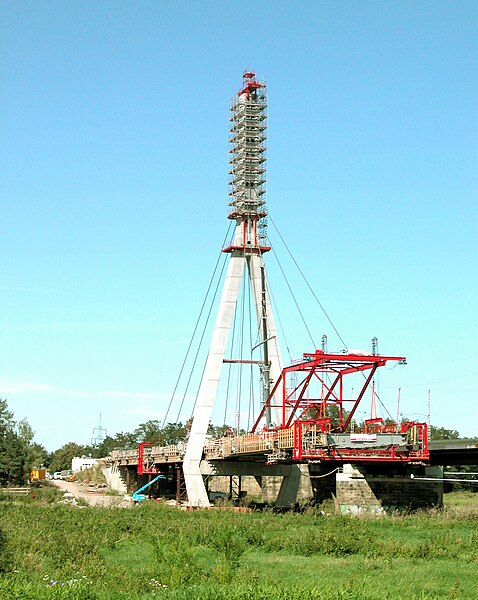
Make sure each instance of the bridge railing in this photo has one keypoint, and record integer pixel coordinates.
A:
(156, 454)
(304, 440)
(252, 443)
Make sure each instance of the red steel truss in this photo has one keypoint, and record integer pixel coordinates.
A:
(316, 435)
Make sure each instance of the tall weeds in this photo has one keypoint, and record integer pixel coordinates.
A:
(48, 550)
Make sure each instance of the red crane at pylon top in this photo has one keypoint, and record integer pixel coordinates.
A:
(250, 83)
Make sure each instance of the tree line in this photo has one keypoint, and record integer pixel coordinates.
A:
(19, 453)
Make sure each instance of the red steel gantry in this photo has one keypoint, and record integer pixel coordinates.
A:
(316, 436)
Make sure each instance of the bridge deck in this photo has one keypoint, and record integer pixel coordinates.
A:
(278, 446)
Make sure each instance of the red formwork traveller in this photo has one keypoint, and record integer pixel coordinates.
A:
(319, 437)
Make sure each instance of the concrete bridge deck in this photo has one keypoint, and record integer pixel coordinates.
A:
(442, 452)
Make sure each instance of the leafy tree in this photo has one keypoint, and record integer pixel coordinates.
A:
(12, 449)
(122, 441)
(218, 430)
(173, 433)
(104, 447)
(125, 440)
(149, 432)
(36, 456)
(61, 458)
(440, 433)
(12, 458)
(6, 417)
(24, 432)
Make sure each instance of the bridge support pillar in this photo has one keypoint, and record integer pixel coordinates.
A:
(353, 492)
(378, 489)
(295, 487)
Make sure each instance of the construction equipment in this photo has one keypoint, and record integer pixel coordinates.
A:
(37, 475)
(67, 475)
(138, 496)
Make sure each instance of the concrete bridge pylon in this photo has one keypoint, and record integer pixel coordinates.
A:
(248, 209)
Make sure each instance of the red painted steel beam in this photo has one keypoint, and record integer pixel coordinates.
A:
(267, 403)
(329, 393)
(305, 385)
(359, 397)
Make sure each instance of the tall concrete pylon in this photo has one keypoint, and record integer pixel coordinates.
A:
(248, 209)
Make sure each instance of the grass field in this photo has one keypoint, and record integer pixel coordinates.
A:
(48, 550)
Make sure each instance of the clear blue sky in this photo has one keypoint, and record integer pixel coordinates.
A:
(113, 188)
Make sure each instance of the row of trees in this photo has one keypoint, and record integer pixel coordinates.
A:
(18, 452)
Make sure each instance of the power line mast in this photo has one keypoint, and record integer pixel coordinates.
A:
(99, 434)
(248, 135)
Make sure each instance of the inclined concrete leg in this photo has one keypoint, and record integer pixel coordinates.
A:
(197, 494)
(295, 487)
(114, 477)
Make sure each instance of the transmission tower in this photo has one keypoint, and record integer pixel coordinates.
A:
(99, 434)
(247, 207)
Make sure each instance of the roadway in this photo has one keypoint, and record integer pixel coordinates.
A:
(92, 498)
(454, 452)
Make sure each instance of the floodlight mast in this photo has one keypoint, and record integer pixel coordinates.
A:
(247, 207)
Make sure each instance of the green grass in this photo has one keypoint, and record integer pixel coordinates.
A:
(463, 498)
(51, 551)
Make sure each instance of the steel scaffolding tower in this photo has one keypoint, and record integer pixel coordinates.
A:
(248, 134)
(248, 209)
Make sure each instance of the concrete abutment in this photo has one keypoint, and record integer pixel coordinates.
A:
(376, 490)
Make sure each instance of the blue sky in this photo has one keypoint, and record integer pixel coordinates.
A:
(113, 187)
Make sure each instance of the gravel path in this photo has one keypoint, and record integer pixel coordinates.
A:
(93, 499)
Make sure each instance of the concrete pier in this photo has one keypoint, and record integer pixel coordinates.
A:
(367, 490)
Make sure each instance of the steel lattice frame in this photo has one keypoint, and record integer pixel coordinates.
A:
(306, 414)
(247, 174)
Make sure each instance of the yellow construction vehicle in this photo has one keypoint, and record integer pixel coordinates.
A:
(67, 475)
(37, 475)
